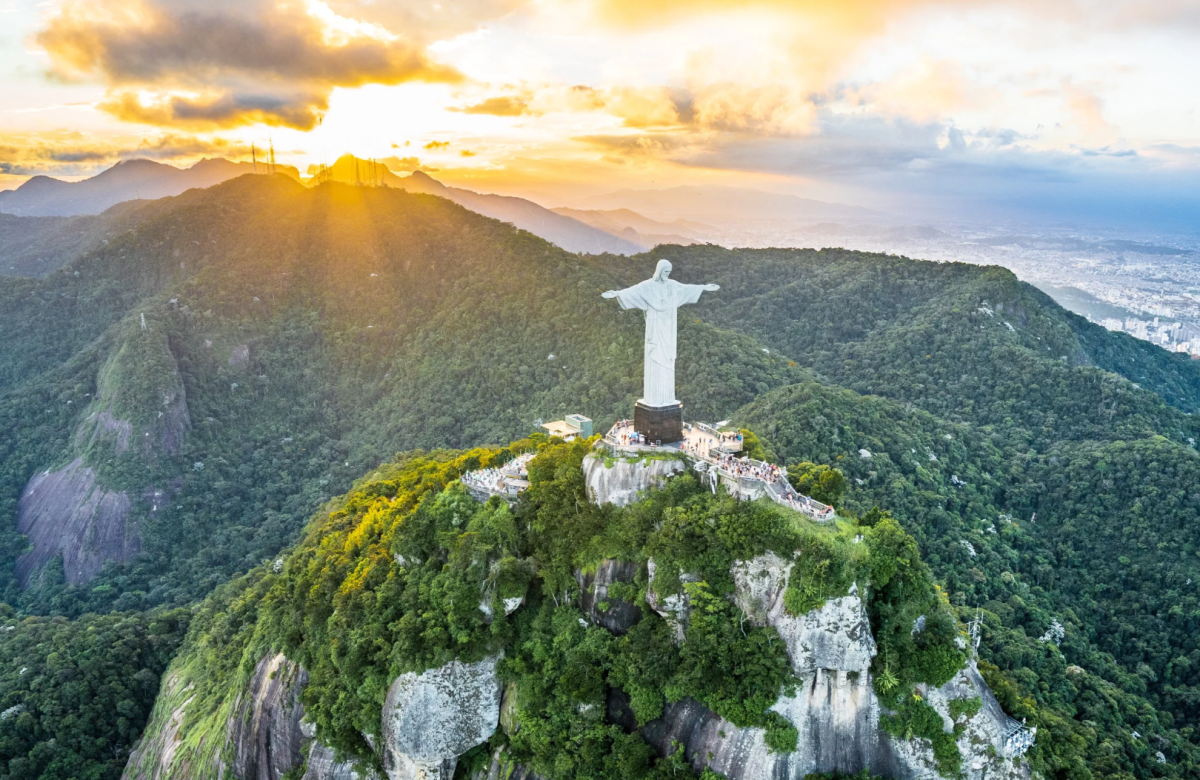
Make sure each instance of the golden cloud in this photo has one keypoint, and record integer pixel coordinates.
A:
(203, 65)
(623, 149)
(501, 105)
(74, 154)
(846, 14)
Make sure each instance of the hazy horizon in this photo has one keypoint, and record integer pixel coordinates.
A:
(1063, 113)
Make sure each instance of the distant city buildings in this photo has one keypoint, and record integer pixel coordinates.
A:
(1172, 336)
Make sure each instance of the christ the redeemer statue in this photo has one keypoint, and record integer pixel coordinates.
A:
(660, 297)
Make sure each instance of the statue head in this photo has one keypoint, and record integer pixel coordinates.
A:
(662, 271)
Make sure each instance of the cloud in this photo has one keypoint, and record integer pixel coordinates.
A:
(622, 149)
(218, 110)
(1086, 110)
(721, 107)
(222, 64)
(405, 165)
(434, 146)
(501, 105)
(73, 154)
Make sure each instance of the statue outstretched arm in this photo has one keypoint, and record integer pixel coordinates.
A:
(610, 294)
(711, 287)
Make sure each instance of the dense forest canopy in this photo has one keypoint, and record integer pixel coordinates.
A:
(390, 580)
(293, 339)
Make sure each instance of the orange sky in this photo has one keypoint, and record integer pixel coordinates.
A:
(861, 100)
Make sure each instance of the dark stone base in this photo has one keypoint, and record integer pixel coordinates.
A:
(659, 424)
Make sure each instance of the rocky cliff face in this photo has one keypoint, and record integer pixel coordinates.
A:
(836, 636)
(622, 481)
(323, 765)
(66, 512)
(266, 733)
(619, 616)
(140, 410)
(835, 709)
(154, 756)
(428, 721)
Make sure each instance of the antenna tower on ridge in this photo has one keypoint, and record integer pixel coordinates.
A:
(254, 157)
(271, 169)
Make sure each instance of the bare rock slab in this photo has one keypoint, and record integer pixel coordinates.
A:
(432, 718)
(620, 616)
(837, 636)
(266, 732)
(620, 482)
(67, 512)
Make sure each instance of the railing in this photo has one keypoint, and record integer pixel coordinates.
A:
(495, 481)
(754, 472)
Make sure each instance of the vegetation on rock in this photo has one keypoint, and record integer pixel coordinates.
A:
(392, 579)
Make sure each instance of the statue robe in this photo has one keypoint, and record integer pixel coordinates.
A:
(660, 300)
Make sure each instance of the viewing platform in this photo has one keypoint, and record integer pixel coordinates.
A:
(507, 481)
(713, 454)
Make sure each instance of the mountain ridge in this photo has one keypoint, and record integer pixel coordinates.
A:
(138, 178)
(317, 331)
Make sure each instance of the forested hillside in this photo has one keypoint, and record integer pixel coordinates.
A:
(304, 336)
(389, 580)
(231, 358)
(1022, 545)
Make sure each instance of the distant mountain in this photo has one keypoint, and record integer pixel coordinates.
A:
(43, 196)
(724, 204)
(568, 233)
(631, 226)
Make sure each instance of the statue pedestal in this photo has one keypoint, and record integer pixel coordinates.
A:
(659, 424)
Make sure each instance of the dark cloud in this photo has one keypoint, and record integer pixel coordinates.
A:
(221, 64)
(504, 105)
(433, 146)
(78, 156)
(223, 109)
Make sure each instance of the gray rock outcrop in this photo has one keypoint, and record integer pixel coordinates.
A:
(620, 615)
(675, 608)
(620, 482)
(266, 733)
(432, 718)
(836, 636)
(323, 765)
(986, 729)
(66, 512)
(153, 757)
(834, 708)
